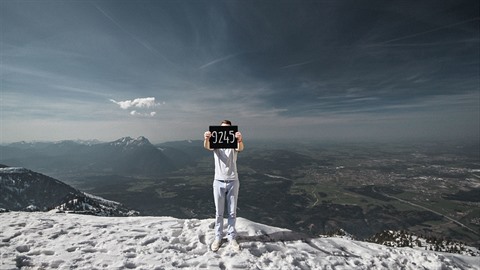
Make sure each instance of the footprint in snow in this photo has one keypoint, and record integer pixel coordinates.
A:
(130, 265)
(23, 248)
(149, 241)
(201, 238)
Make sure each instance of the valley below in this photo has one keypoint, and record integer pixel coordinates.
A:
(430, 189)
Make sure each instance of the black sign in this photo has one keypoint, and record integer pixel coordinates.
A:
(223, 136)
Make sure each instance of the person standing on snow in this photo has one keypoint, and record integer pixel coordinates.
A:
(225, 186)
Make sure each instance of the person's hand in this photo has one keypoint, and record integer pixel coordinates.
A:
(207, 135)
(238, 135)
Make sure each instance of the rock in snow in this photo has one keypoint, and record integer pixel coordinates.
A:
(49, 240)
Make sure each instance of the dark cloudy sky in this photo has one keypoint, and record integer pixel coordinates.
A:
(346, 69)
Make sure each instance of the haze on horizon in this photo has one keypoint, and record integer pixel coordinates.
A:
(166, 70)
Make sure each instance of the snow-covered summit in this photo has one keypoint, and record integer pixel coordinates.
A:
(63, 241)
(131, 142)
(23, 189)
(11, 170)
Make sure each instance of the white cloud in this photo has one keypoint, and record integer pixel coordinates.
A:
(146, 114)
(148, 102)
(141, 106)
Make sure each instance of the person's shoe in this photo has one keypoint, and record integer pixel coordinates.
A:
(234, 245)
(216, 245)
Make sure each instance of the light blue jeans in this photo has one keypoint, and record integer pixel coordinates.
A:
(225, 190)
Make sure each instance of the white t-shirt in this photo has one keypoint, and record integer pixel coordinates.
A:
(225, 164)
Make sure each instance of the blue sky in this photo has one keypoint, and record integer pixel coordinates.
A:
(369, 70)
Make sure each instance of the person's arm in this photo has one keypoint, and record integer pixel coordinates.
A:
(206, 140)
(240, 144)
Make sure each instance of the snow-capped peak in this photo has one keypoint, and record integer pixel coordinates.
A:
(129, 141)
(22, 189)
(11, 170)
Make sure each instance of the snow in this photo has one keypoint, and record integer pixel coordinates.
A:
(275, 176)
(10, 170)
(130, 142)
(49, 240)
(101, 200)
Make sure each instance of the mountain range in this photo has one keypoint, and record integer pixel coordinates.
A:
(125, 156)
(25, 190)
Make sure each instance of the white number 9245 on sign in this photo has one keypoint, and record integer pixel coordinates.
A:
(223, 136)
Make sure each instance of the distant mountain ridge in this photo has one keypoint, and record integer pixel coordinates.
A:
(126, 156)
(129, 142)
(25, 190)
